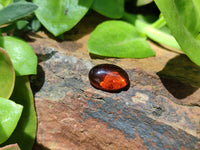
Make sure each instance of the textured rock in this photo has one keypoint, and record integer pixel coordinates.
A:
(10, 147)
(149, 115)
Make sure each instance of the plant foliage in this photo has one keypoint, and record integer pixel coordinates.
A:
(127, 42)
(17, 113)
(124, 35)
(61, 15)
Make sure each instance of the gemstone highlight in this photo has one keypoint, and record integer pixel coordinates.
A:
(108, 77)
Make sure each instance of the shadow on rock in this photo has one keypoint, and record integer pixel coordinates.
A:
(87, 24)
(178, 89)
(37, 81)
(38, 146)
(180, 76)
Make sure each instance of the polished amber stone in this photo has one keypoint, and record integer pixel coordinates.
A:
(108, 77)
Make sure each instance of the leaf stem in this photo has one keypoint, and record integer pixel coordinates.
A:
(159, 23)
(151, 31)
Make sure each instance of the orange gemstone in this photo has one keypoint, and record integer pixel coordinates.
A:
(108, 77)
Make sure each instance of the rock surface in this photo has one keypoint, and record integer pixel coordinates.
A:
(160, 110)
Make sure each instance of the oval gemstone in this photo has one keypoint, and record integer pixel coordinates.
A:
(108, 77)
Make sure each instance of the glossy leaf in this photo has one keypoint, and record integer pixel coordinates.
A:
(10, 113)
(4, 3)
(19, 0)
(21, 24)
(196, 4)
(109, 8)
(59, 16)
(25, 132)
(35, 25)
(118, 39)
(16, 11)
(185, 30)
(152, 31)
(188, 14)
(143, 2)
(7, 75)
(22, 55)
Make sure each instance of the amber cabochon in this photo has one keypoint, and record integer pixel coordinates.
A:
(109, 77)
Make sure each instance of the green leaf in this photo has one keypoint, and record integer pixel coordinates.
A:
(109, 8)
(182, 18)
(188, 14)
(21, 24)
(16, 11)
(35, 25)
(143, 2)
(118, 39)
(151, 31)
(4, 3)
(25, 132)
(161, 37)
(197, 6)
(21, 53)
(7, 75)
(19, 1)
(198, 37)
(59, 16)
(10, 113)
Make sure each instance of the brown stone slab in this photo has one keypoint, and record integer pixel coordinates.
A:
(159, 111)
